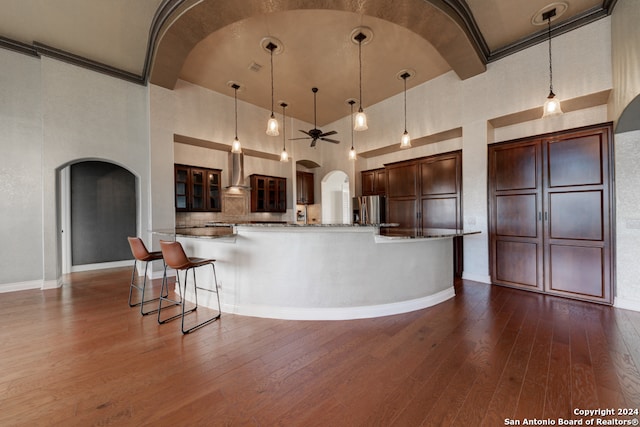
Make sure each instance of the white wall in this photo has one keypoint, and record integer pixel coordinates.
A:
(54, 115)
(20, 170)
(625, 38)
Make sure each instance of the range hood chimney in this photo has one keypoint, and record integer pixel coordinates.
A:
(236, 166)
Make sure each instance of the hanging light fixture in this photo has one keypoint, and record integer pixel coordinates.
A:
(552, 104)
(352, 152)
(405, 141)
(272, 124)
(235, 145)
(284, 156)
(361, 118)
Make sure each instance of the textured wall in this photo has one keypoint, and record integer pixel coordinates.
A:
(20, 174)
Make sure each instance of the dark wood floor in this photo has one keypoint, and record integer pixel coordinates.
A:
(80, 356)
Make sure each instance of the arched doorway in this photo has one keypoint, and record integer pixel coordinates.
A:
(336, 198)
(98, 211)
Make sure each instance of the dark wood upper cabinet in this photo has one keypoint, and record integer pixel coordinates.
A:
(304, 188)
(197, 189)
(374, 182)
(268, 193)
(434, 185)
(550, 219)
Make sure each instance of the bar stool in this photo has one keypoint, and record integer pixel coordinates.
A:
(175, 258)
(140, 253)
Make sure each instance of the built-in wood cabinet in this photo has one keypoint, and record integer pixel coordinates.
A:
(197, 189)
(550, 213)
(425, 193)
(268, 193)
(374, 182)
(304, 188)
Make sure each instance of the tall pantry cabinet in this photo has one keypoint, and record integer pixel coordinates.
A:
(551, 213)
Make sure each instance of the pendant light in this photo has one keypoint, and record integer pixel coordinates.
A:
(552, 104)
(235, 145)
(361, 118)
(284, 156)
(405, 141)
(272, 124)
(352, 152)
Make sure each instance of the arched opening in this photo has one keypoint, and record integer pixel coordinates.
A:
(98, 210)
(630, 118)
(336, 198)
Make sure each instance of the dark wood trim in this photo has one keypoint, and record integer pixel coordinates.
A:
(17, 46)
(83, 62)
(541, 36)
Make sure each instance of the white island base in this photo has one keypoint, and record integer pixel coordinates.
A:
(323, 272)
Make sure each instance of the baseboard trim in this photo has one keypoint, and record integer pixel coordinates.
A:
(21, 286)
(476, 277)
(101, 266)
(340, 313)
(626, 304)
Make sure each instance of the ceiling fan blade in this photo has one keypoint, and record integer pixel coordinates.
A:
(330, 140)
(294, 139)
(313, 143)
(331, 132)
(305, 132)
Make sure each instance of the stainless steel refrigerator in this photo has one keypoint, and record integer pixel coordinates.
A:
(369, 210)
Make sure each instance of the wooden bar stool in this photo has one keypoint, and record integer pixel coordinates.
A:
(175, 258)
(140, 253)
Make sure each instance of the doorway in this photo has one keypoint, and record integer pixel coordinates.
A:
(98, 213)
(336, 198)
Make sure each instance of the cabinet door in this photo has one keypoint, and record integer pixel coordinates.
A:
(181, 180)
(440, 191)
(197, 189)
(282, 195)
(300, 187)
(258, 194)
(308, 188)
(368, 183)
(304, 188)
(214, 200)
(380, 182)
(577, 214)
(515, 214)
(402, 180)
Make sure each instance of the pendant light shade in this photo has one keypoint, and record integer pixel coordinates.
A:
(405, 141)
(284, 156)
(361, 118)
(235, 145)
(352, 151)
(552, 104)
(272, 124)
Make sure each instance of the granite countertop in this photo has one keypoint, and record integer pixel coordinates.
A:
(290, 224)
(434, 233)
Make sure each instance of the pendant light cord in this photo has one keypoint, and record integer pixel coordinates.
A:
(351, 103)
(405, 103)
(272, 81)
(284, 128)
(550, 66)
(360, 68)
(235, 96)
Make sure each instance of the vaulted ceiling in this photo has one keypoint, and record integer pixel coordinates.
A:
(213, 42)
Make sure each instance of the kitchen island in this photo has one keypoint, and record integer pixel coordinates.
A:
(322, 272)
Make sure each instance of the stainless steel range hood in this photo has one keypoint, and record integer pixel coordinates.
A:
(236, 166)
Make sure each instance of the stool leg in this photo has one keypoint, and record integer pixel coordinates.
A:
(132, 284)
(195, 290)
(164, 296)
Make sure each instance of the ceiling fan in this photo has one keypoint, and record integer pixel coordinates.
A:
(316, 134)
